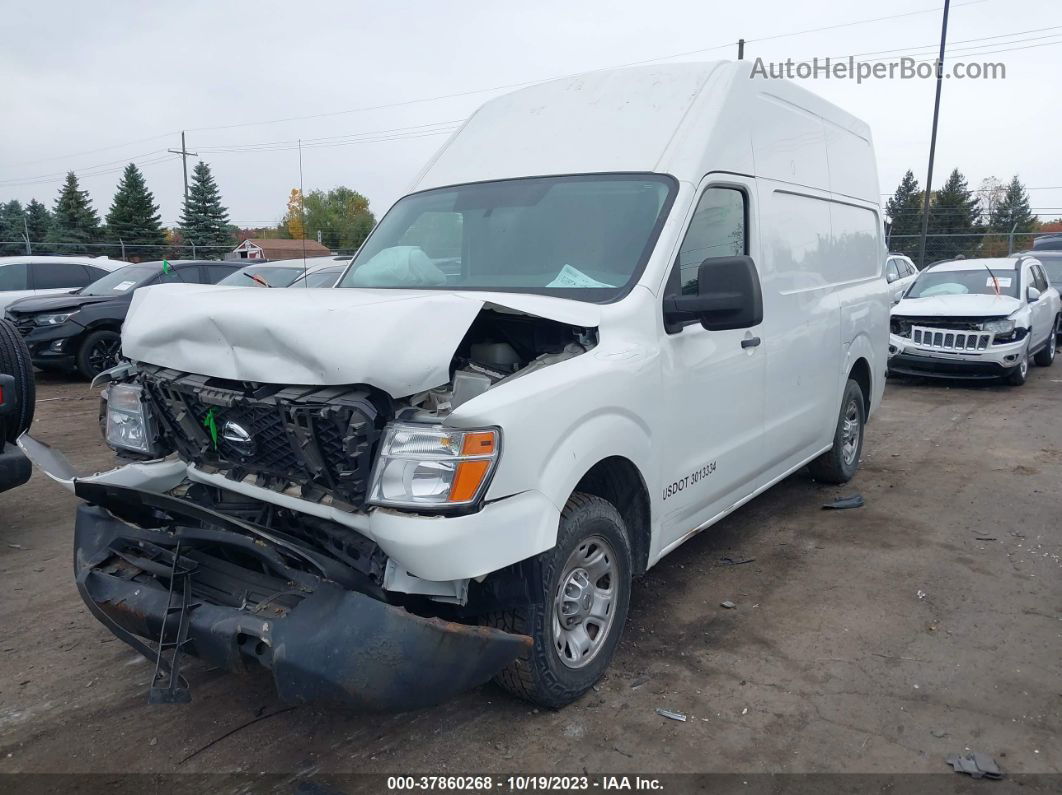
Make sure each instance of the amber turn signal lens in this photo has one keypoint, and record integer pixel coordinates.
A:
(467, 480)
(478, 443)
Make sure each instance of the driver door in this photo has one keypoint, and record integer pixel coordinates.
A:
(713, 380)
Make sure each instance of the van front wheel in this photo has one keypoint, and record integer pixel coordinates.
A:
(584, 589)
(840, 462)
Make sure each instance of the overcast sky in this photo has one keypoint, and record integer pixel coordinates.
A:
(91, 86)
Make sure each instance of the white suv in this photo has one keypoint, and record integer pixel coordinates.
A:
(900, 273)
(976, 318)
(23, 277)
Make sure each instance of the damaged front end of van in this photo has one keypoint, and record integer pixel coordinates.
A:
(299, 490)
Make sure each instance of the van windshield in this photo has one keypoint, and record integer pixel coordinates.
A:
(585, 237)
(977, 281)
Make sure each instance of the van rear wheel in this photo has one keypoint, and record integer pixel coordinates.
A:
(840, 462)
(583, 593)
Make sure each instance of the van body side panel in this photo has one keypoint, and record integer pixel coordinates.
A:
(789, 143)
(864, 299)
(853, 169)
(801, 322)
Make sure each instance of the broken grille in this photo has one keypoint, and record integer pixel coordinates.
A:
(321, 439)
(946, 340)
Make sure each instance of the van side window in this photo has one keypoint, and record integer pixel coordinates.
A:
(717, 230)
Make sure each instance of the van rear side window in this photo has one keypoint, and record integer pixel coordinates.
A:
(717, 230)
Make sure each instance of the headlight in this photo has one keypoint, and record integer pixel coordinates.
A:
(425, 466)
(128, 423)
(53, 320)
(998, 326)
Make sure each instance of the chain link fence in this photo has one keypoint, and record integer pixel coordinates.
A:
(116, 250)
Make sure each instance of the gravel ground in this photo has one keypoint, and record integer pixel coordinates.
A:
(879, 639)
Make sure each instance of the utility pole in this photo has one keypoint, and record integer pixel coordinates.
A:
(741, 49)
(933, 138)
(25, 234)
(184, 153)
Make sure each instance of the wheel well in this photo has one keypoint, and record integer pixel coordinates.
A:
(860, 373)
(106, 325)
(618, 480)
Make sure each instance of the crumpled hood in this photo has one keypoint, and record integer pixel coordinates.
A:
(958, 306)
(400, 341)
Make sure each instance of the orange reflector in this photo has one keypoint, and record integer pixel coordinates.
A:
(480, 443)
(467, 478)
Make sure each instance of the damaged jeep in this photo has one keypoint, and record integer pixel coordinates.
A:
(540, 374)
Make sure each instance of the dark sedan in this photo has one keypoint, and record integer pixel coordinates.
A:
(82, 330)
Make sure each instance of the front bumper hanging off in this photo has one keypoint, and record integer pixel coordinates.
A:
(261, 598)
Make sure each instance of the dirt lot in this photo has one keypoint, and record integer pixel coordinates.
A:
(873, 640)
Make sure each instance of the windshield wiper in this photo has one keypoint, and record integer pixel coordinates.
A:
(995, 281)
(254, 277)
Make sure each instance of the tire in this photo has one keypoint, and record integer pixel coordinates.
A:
(15, 360)
(98, 352)
(1020, 374)
(548, 675)
(840, 462)
(1046, 356)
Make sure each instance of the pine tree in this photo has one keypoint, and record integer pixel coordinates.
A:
(11, 230)
(134, 217)
(1012, 212)
(74, 220)
(905, 211)
(204, 221)
(954, 221)
(38, 222)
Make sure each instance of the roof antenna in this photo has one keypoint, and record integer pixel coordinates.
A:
(302, 217)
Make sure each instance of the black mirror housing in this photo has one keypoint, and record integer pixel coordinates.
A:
(728, 296)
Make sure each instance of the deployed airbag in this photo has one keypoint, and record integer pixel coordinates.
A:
(399, 266)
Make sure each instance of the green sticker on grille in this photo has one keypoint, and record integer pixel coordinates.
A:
(211, 425)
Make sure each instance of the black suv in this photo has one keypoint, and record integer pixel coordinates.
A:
(82, 330)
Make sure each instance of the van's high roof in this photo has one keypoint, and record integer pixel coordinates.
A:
(684, 119)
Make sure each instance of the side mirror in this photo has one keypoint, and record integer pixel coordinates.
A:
(728, 296)
(891, 277)
(1033, 295)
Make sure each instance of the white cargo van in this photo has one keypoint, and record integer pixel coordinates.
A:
(612, 309)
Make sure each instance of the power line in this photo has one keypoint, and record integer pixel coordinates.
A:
(87, 174)
(269, 145)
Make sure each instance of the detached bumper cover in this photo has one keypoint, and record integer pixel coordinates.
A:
(322, 640)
